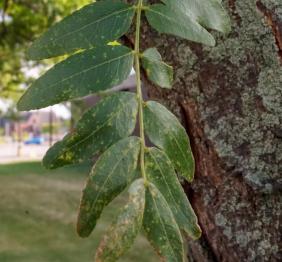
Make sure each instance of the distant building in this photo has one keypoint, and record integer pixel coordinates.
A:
(33, 122)
(30, 122)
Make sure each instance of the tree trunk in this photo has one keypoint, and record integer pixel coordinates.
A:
(230, 100)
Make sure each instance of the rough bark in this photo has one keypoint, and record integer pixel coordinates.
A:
(230, 100)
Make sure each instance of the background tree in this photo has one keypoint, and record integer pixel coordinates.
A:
(230, 99)
(21, 21)
(14, 116)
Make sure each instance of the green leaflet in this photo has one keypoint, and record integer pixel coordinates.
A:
(115, 169)
(160, 172)
(161, 228)
(95, 24)
(171, 21)
(157, 71)
(157, 201)
(99, 128)
(208, 13)
(80, 75)
(122, 233)
(165, 131)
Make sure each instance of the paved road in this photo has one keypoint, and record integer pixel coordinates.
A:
(8, 153)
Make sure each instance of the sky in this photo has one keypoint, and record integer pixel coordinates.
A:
(3, 105)
(7, 18)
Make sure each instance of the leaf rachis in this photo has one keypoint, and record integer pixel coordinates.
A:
(157, 201)
(139, 9)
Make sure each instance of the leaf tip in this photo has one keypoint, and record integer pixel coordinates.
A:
(196, 232)
(25, 104)
(82, 229)
(21, 105)
(212, 42)
(47, 163)
(228, 28)
(190, 177)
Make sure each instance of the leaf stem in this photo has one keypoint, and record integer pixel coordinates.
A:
(139, 9)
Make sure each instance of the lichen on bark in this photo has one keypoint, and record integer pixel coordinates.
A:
(230, 99)
(241, 104)
(249, 117)
(237, 88)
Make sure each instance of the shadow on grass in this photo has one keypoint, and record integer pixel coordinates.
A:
(36, 168)
(38, 210)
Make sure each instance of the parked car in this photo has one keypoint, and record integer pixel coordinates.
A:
(34, 141)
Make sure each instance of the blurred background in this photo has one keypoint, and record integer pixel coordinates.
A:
(38, 207)
(229, 99)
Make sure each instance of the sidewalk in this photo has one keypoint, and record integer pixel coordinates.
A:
(8, 153)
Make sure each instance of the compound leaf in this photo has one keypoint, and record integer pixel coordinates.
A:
(114, 170)
(157, 71)
(95, 24)
(160, 226)
(208, 13)
(160, 172)
(165, 131)
(172, 21)
(80, 75)
(99, 128)
(124, 230)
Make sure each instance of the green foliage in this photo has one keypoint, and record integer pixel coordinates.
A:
(157, 71)
(99, 128)
(160, 172)
(23, 21)
(115, 169)
(157, 200)
(168, 20)
(209, 14)
(75, 31)
(80, 75)
(164, 130)
(125, 229)
(160, 226)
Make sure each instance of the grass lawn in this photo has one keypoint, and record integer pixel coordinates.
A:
(38, 210)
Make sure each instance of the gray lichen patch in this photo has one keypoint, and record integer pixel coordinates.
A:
(238, 88)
